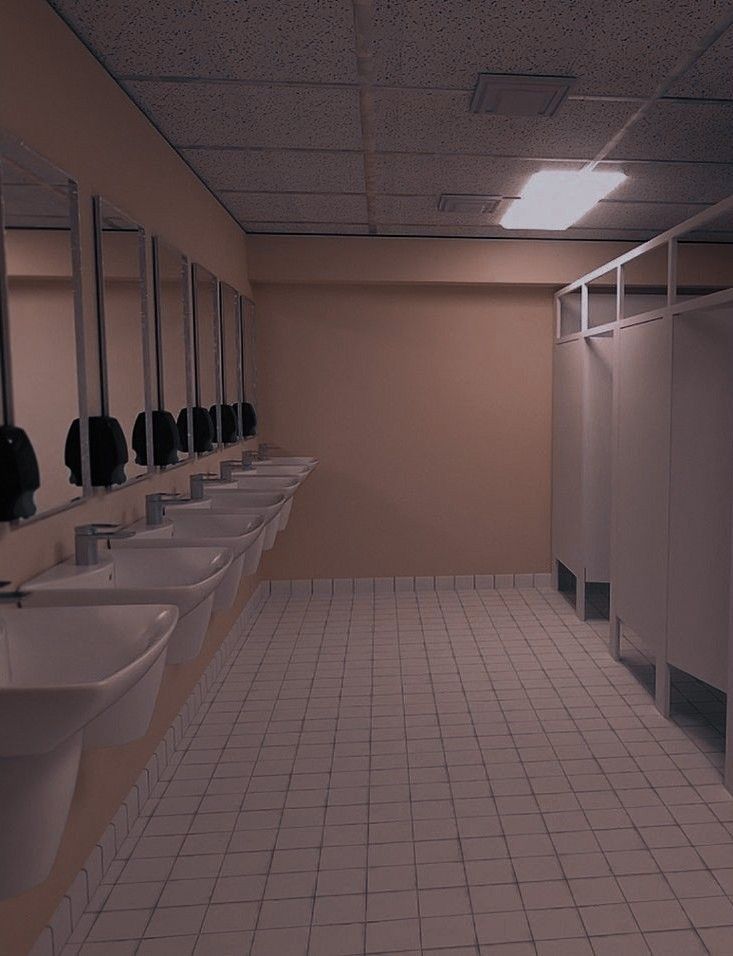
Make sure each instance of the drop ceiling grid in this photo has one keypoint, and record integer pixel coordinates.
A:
(262, 100)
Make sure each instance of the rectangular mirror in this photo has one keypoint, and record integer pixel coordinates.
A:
(206, 345)
(42, 332)
(123, 329)
(249, 369)
(173, 338)
(231, 354)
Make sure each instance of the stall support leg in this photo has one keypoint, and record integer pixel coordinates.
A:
(580, 595)
(555, 582)
(614, 637)
(662, 687)
(728, 767)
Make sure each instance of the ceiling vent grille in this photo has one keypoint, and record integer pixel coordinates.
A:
(466, 205)
(513, 95)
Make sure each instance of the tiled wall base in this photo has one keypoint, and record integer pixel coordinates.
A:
(323, 587)
(129, 817)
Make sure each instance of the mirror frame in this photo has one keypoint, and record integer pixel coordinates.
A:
(7, 411)
(158, 393)
(144, 327)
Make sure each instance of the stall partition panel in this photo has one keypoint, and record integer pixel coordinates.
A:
(567, 454)
(597, 445)
(641, 481)
(701, 494)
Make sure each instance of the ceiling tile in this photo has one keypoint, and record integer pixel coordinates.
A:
(613, 48)
(288, 40)
(423, 210)
(652, 216)
(419, 173)
(496, 232)
(297, 207)
(307, 228)
(271, 169)
(678, 130)
(712, 76)
(430, 121)
(221, 114)
(674, 182)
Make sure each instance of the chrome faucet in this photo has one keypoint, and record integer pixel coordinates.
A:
(228, 468)
(88, 536)
(11, 597)
(155, 506)
(198, 481)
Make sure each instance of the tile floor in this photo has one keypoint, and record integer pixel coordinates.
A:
(438, 772)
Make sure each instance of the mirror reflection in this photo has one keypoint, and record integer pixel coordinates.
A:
(120, 246)
(41, 293)
(206, 350)
(171, 337)
(231, 356)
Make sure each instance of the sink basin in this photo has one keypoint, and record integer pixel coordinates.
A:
(67, 675)
(191, 527)
(288, 461)
(228, 497)
(187, 578)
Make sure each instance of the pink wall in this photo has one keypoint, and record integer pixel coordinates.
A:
(429, 408)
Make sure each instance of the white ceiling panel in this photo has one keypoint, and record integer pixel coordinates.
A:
(496, 232)
(262, 100)
(712, 76)
(293, 40)
(677, 130)
(674, 182)
(651, 217)
(307, 228)
(297, 207)
(612, 47)
(420, 173)
(428, 121)
(222, 114)
(423, 210)
(268, 170)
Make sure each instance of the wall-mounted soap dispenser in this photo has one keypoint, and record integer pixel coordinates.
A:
(229, 425)
(249, 420)
(166, 440)
(107, 452)
(203, 430)
(19, 475)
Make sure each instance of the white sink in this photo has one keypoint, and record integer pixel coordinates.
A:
(228, 497)
(67, 674)
(190, 527)
(187, 578)
(288, 461)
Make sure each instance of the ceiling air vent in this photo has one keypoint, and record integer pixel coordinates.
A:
(513, 95)
(468, 205)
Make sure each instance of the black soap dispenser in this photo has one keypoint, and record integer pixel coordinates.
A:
(19, 475)
(166, 440)
(203, 430)
(107, 452)
(228, 422)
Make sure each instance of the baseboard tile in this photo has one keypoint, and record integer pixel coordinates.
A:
(327, 587)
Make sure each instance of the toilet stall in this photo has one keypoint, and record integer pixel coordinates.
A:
(643, 450)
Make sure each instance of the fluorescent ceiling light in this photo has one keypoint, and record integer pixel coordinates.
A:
(555, 199)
